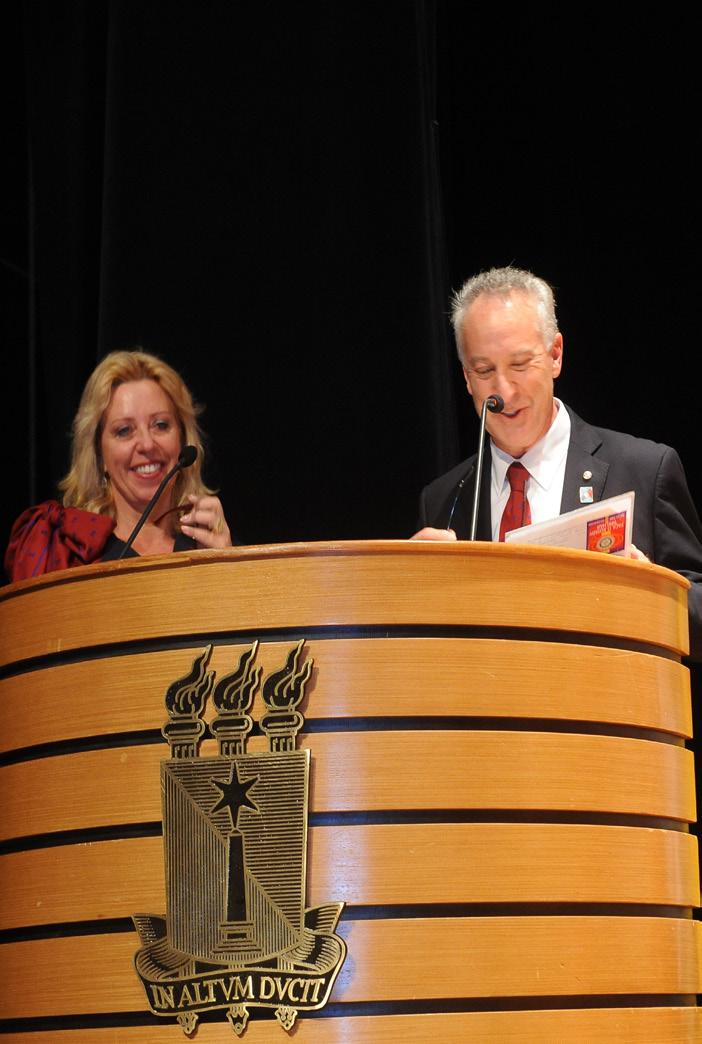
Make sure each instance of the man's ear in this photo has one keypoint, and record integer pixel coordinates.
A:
(557, 355)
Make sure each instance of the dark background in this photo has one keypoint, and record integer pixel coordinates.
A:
(278, 199)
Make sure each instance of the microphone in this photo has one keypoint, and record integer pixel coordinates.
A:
(188, 456)
(496, 404)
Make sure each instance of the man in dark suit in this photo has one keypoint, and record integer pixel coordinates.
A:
(509, 344)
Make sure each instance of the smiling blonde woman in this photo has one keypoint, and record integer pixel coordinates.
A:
(135, 416)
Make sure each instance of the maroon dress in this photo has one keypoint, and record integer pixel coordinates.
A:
(49, 537)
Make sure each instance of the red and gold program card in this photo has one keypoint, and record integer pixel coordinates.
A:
(607, 534)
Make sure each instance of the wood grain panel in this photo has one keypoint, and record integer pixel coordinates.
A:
(570, 1026)
(354, 583)
(398, 959)
(379, 584)
(365, 678)
(376, 770)
(378, 865)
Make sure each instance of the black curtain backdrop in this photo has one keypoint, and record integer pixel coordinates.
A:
(250, 191)
(278, 198)
(567, 147)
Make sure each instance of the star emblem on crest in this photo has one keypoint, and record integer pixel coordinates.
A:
(234, 796)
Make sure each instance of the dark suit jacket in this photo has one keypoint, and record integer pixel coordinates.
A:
(666, 524)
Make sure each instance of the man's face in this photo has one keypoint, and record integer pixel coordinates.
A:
(505, 353)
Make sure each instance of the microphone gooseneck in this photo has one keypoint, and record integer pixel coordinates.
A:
(496, 404)
(187, 456)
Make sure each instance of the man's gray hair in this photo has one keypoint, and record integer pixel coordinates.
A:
(502, 282)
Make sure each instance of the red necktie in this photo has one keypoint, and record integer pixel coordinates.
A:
(517, 512)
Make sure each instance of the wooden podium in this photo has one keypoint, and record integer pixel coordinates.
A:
(500, 791)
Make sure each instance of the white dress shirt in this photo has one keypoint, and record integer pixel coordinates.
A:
(545, 462)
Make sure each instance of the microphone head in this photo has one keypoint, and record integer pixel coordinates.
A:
(495, 403)
(188, 456)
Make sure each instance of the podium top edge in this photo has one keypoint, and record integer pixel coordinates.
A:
(339, 549)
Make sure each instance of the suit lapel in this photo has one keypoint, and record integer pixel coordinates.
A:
(585, 441)
(464, 507)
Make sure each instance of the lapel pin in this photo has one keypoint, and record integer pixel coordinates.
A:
(587, 475)
(587, 495)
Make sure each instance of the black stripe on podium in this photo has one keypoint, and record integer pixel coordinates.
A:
(434, 1006)
(387, 912)
(89, 835)
(316, 726)
(329, 633)
(124, 831)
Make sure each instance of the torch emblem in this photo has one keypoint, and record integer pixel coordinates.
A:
(236, 934)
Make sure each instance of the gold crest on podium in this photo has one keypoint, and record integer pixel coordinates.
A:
(236, 934)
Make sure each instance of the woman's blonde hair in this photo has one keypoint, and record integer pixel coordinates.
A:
(85, 485)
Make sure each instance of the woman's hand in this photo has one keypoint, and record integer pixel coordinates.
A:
(205, 522)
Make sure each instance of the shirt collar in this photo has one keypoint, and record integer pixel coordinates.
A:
(543, 460)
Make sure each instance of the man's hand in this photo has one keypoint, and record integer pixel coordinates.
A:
(429, 533)
(637, 555)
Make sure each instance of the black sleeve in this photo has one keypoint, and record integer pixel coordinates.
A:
(678, 538)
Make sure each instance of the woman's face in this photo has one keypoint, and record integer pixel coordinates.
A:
(140, 442)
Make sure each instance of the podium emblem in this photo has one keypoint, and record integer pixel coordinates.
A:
(236, 934)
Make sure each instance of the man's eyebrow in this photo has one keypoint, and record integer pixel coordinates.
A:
(519, 353)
